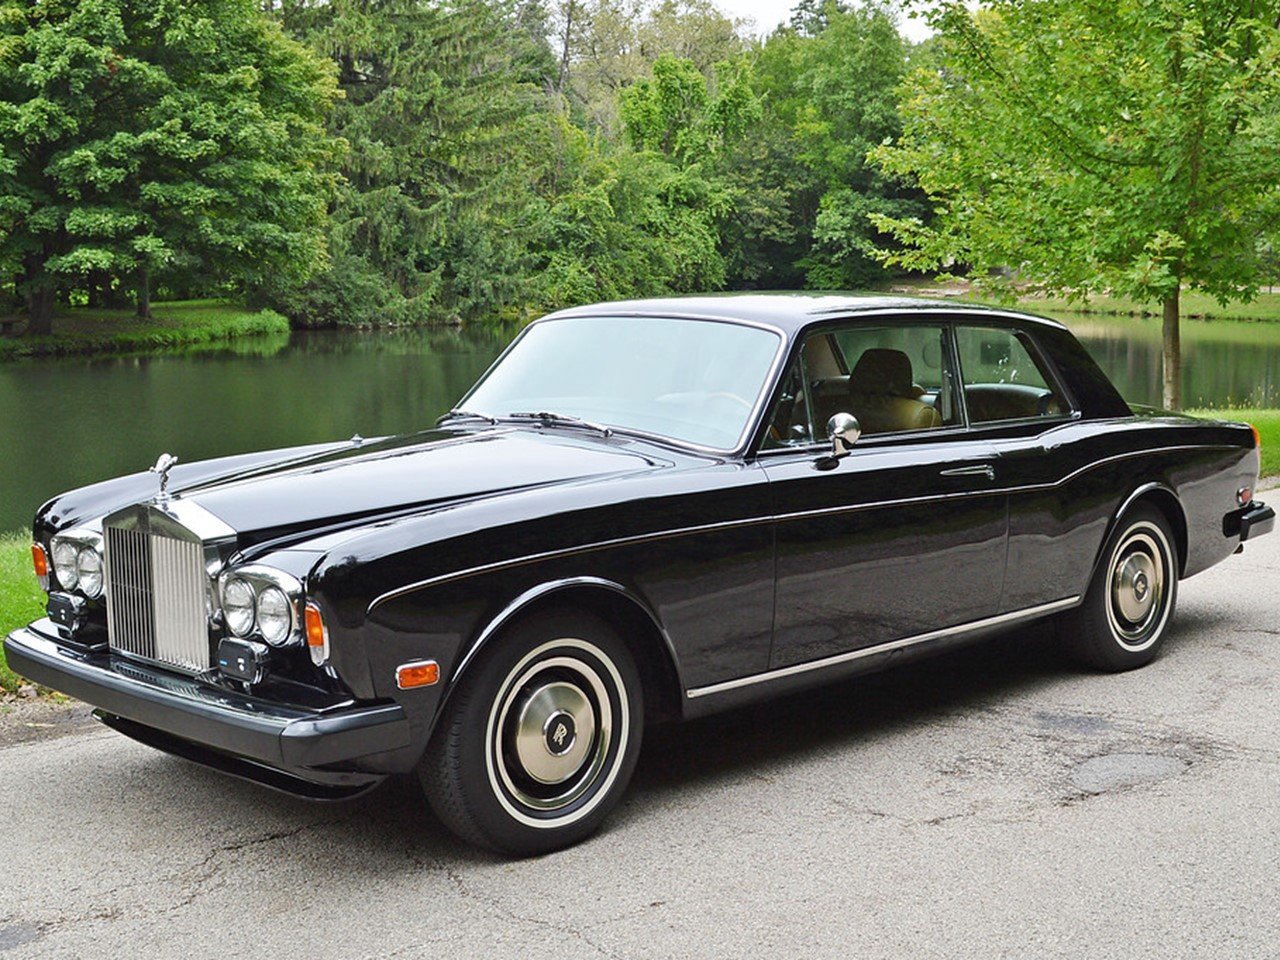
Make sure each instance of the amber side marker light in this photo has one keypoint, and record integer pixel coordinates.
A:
(40, 560)
(1257, 437)
(317, 634)
(420, 673)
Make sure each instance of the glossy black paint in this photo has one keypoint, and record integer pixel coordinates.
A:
(716, 568)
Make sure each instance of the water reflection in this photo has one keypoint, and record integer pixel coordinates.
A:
(1224, 362)
(74, 421)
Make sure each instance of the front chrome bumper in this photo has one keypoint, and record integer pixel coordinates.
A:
(279, 745)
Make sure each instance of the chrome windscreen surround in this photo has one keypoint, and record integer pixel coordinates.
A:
(161, 562)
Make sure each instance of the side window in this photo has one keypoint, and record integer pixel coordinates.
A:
(1002, 378)
(893, 378)
(789, 424)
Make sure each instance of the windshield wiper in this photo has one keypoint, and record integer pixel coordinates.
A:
(466, 415)
(547, 418)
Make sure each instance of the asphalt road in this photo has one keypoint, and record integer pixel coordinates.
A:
(995, 802)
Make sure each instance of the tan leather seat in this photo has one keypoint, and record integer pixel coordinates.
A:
(882, 394)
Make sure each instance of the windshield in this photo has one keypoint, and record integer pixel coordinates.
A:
(691, 380)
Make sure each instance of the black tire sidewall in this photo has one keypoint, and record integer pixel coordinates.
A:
(1090, 634)
(494, 813)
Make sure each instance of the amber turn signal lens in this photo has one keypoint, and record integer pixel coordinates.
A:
(422, 673)
(1257, 437)
(40, 560)
(317, 635)
(315, 626)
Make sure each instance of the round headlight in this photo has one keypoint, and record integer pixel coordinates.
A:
(237, 606)
(65, 555)
(275, 619)
(89, 571)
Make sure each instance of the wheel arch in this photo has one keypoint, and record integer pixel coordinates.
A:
(635, 621)
(1164, 499)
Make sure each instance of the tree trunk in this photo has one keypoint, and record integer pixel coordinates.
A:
(98, 284)
(144, 294)
(1172, 355)
(40, 295)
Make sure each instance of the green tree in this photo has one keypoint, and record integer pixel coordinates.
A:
(607, 45)
(829, 86)
(1075, 146)
(446, 115)
(685, 125)
(607, 230)
(139, 137)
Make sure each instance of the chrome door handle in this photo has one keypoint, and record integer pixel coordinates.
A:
(982, 470)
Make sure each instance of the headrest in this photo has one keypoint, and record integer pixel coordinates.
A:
(880, 371)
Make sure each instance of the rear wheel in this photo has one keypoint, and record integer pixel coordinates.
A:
(540, 739)
(1121, 623)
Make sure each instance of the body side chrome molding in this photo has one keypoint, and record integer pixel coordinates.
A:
(1003, 619)
(752, 521)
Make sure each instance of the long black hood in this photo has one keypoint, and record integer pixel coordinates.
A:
(393, 477)
(289, 494)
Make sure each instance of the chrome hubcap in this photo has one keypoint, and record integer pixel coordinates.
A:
(1136, 599)
(551, 732)
(555, 728)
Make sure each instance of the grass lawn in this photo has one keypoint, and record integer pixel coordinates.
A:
(1195, 306)
(1268, 424)
(21, 599)
(173, 323)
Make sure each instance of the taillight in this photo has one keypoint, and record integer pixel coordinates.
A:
(40, 560)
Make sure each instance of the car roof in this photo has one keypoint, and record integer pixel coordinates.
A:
(791, 312)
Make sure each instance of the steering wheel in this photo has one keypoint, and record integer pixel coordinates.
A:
(732, 397)
(1047, 404)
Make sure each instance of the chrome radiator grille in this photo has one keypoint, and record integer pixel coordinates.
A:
(156, 588)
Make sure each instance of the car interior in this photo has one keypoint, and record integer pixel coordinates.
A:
(901, 380)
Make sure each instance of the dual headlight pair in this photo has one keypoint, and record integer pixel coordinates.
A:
(261, 601)
(77, 563)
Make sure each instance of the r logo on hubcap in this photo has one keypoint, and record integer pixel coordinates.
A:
(560, 733)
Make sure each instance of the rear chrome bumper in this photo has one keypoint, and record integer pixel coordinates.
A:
(275, 744)
(1256, 519)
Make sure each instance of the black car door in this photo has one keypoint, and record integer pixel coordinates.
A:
(1017, 402)
(906, 535)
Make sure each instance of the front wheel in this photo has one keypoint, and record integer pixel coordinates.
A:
(540, 739)
(1121, 623)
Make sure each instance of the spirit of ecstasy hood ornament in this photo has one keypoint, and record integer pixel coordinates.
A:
(161, 469)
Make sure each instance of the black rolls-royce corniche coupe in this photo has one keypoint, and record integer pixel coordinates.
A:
(643, 511)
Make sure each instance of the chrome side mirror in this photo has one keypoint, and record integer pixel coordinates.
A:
(843, 430)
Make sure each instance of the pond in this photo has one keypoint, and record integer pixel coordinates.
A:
(73, 421)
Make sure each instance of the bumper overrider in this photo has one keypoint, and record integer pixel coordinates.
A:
(297, 750)
(1255, 520)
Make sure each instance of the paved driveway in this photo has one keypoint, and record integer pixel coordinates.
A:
(995, 802)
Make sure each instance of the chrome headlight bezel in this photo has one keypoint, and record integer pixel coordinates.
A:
(273, 612)
(236, 625)
(79, 549)
(271, 583)
(89, 571)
